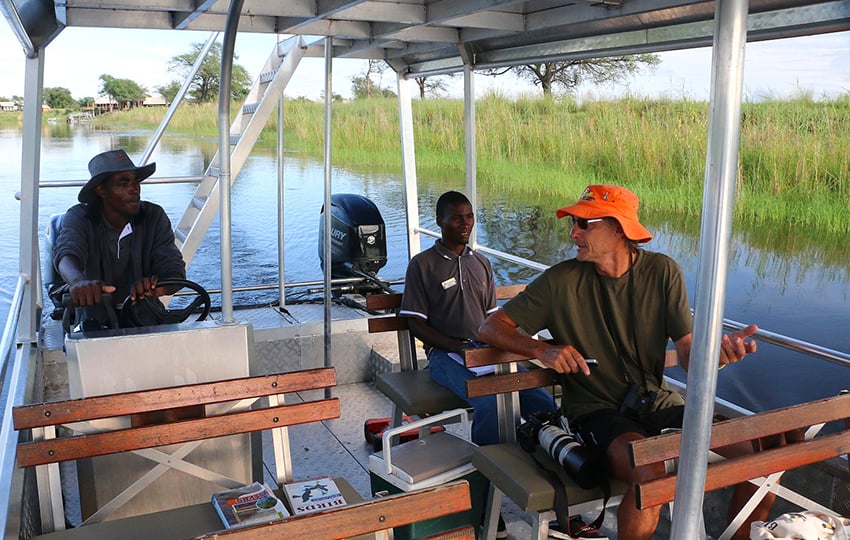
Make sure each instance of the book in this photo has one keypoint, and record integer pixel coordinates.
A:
(313, 495)
(248, 505)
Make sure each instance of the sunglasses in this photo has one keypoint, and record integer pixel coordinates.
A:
(583, 223)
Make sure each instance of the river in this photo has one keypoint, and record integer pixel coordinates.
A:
(780, 279)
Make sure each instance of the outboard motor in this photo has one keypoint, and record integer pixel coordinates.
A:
(358, 238)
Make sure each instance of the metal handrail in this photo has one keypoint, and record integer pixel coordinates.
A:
(148, 181)
(315, 284)
(823, 353)
(11, 391)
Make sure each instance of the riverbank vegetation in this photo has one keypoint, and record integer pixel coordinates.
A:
(794, 163)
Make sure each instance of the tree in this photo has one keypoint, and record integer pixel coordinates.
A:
(169, 91)
(58, 98)
(207, 81)
(434, 85)
(335, 98)
(571, 73)
(86, 102)
(126, 93)
(366, 86)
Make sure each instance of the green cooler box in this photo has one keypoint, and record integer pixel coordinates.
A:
(431, 460)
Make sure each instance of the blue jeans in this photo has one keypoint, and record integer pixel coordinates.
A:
(446, 372)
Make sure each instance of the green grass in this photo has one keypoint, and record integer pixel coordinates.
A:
(11, 120)
(794, 166)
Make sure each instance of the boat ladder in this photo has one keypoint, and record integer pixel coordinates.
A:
(245, 129)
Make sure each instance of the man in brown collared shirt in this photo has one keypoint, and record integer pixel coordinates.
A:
(449, 291)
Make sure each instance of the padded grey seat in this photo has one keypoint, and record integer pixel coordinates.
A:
(514, 472)
(415, 393)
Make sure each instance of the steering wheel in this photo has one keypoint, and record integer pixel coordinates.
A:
(152, 308)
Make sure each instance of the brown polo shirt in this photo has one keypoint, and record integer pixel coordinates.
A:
(452, 293)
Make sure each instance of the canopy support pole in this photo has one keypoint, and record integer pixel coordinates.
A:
(281, 205)
(224, 181)
(470, 146)
(30, 178)
(718, 196)
(408, 163)
(326, 241)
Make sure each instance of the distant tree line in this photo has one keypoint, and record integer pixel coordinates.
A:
(565, 75)
(127, 94)
(204, 87)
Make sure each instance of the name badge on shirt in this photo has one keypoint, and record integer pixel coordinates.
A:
(449, 283)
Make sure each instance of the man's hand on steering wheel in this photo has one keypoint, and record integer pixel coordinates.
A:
(147, 288)
(87, 292)
(142, 308)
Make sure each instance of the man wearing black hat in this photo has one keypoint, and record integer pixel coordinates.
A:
(113, 241)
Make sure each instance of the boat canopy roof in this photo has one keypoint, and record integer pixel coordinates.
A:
(428, 37)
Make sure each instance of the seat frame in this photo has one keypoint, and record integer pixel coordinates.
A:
(511, 470)
(411, 390)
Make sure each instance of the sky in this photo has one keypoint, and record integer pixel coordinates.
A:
(815, 65)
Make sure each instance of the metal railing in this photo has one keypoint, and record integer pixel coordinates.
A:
(14, 377)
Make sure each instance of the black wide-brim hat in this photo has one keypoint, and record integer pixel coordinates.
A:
(105, 164)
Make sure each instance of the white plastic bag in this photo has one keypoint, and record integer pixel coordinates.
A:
(801, 526)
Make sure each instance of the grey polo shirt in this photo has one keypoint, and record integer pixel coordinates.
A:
(453, 294)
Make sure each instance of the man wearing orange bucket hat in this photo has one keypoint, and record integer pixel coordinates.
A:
(611, 311)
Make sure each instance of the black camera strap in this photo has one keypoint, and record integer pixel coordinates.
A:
(607, 314)
(560, 477)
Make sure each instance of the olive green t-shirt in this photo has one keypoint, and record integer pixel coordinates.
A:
(597, 315)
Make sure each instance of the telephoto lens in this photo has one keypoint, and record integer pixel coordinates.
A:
(582, 464)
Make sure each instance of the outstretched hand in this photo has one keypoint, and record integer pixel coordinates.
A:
(735, 346)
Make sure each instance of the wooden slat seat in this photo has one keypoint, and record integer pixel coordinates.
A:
(368, 517)
(354, 520)
(770, 462)
(411, 390)
(520, 478)
(149, 419)
(511, 470)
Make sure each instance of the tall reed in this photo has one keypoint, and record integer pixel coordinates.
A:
(794, 163)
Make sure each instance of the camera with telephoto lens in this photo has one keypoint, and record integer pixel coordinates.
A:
(552, 432)
(637, 403)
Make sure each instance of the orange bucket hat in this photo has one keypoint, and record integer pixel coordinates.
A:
(608, 201)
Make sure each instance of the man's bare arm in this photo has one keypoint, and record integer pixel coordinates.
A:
(501, 331)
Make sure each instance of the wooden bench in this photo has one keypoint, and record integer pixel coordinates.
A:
(412, 390)
(511, 470)
(369, 516)
(763, 468)
(157, 418)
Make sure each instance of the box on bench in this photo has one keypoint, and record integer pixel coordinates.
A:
(429, 461)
